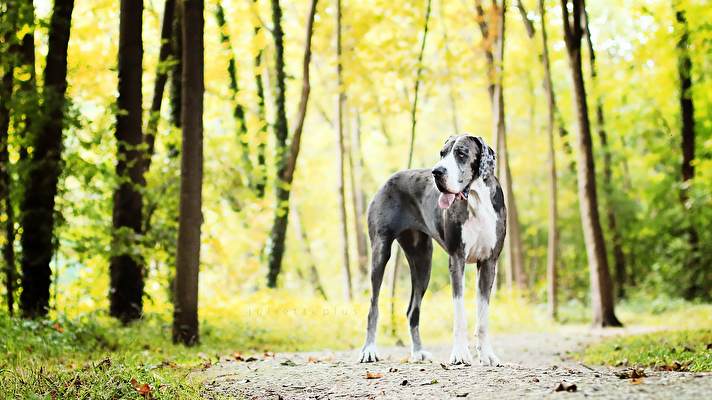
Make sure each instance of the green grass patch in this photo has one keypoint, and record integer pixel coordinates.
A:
(685, 350)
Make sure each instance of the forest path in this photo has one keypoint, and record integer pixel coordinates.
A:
(534, 365)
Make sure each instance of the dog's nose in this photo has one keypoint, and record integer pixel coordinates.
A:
(438, 172)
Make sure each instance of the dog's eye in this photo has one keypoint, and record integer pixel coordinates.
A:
(442, 153)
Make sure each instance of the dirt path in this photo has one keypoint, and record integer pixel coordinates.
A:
(535, 364)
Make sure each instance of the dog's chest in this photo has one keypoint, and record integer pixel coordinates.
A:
(479, 232)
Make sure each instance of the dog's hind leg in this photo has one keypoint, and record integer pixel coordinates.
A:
(380, 253)
(418, 249)
(486, 271)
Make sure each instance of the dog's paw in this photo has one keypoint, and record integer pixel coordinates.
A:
(420, 356)
(487, 356)
(460, 355)
(369, 354)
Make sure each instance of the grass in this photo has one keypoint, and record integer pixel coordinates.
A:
(684, 350)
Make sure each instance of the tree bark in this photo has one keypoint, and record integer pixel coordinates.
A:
(358, 200)
(601, 288)
(159, 86)
(185, 314)
(238, 110)
(618, 255)
(493, 30)
(44, 169)
(286, 156)
(177, 67)
(695, 286)
(261, 173)
(28, 98)
(6, 82)
(340, 105)
(126, 266)
(313, 273)
(553, 230)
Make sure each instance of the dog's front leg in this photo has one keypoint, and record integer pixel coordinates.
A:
(460, 353)
(486, 271)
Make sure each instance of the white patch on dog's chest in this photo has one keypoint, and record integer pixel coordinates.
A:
(479, 232)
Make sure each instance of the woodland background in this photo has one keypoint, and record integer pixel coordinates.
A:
(648, 88)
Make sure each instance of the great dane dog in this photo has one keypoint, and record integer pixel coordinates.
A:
(460, 204)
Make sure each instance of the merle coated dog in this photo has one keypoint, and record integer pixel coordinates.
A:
(460, 204)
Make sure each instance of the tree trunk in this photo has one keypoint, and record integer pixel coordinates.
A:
(358, 200)
(185, 314)
(44, 169)
(286, 157)
(238, 111)
(28, 96)
(8, 250)
(493, 30)
(313, 273)
(695, 286)
(261, 172)
(553, 230)
(159, 86)
(618, 255)
(177, 68)
(601, 288)
(340, 104)
(126, 267)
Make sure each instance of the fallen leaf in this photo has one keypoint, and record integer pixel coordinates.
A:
(444, 366)
(288, 363)
(535, 380)
(238, 356)
(268, 354)
(675, 366)
(462, 394)
(631, 373)
(373, 375)
(565, 387)
(391, 369)
(57, 327)
(404, 383)
(251, 359)
(207, 364)
(105, 363)
(430, 382)
(312, 360)
(636, 381)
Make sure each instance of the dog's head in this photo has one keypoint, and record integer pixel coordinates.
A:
(463, 159)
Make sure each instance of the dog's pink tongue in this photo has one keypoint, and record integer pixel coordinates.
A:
(445, 200)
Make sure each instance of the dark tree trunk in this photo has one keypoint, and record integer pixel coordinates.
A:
(28, 109)
(126, 267)
(159, 86)
(176, 72)
(286, 156)
(601, 288)
(695, 286)
(238, 110)
(38, 200)
(553, 230)
(618, 255)
(185, 314)
(8, 250)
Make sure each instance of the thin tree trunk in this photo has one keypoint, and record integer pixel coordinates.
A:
(44, 169)
(358, 200)
(695, 286)
(238, 111)
(313, 273)
(8, 250)
(28, 95)
(413, 125)
(185, 314)
(126, 268)
(618, 255)
(286, 157)
(553, 230)
(261, 172)
(340, 187)
(493, 31)
(159, 86)
(601, 288)
(176, 89)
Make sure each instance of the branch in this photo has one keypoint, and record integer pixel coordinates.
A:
(528, 23)
(302, 111)
(419, 72)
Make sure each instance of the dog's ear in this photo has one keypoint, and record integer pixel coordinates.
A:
(487, 159)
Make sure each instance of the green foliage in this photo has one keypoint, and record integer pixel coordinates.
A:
(687, 350)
